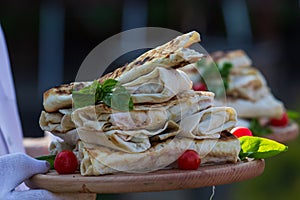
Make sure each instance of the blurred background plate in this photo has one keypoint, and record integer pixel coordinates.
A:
(284, 135)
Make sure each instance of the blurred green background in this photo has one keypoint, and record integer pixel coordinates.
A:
(48, 40)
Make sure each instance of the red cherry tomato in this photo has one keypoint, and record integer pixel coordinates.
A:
(189, 160)
(65, 162)
(199, 87)
(283, 121)
(241, 131)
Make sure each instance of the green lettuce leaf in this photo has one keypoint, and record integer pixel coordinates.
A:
(49, 158)
(259, 148)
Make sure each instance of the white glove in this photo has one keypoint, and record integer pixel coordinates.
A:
(14, 169)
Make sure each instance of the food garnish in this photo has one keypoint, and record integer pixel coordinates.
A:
(110, 92)
(225, 71)
(48, 158)
(208, 70)
(199, 86)
(241, 131)
(259, 148)
(65, 162)
(293, 115)
(257, 129)
(280, 122)
(189, 160)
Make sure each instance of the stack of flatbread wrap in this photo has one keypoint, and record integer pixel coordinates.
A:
(168, 117)
(248, 92)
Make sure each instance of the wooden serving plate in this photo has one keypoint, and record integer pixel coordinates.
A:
(285, 134)
(162, 180)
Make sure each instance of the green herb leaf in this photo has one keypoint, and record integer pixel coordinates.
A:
(259, 148)
(294, 115)
(109, 92)
(257, 129)
(121, 99)
(87, 95)
(49, 158)
(211, 73)
(108, 85)
(225, 71)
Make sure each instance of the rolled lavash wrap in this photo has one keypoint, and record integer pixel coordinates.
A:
(60, 97)
(156, 87)
(98, 160)
(159, 88)
(209, 123)
(130, 131)
(150, 136)
(167, 146)
(148, 68)
(59, 123)
(248, 92)
(266, 107)
(173, 54)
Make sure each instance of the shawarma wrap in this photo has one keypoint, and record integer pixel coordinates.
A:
(173, 54)
(99, 160)
(60, 122)
(167, 118)
(247, 90)
(130, 131)
(267, 106)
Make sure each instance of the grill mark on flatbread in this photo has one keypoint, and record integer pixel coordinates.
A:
(163, 51)
(113, 75)
(140, 62)
(227, 136)
(78, 86)
(64, 89)
(169, 54)
(61, 96)
(155, 141)
(181, 64)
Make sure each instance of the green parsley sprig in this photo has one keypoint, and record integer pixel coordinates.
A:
(110, 92)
